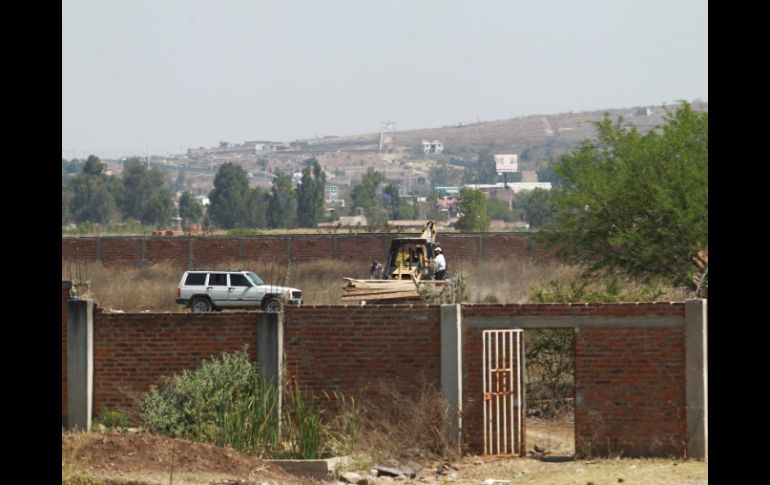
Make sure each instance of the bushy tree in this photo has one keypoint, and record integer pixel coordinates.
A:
(92, 192)
(391, 200)
(473, 211)
(365, 194)
(499, 210)
(144, 194)
(485, 171)
(537, 207)
(228, 198)
(282, 207)
(444, 175)
(310, 194)
(637, 204)
(190, 210)
(256, 207)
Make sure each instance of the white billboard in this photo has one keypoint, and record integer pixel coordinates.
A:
(507, 163)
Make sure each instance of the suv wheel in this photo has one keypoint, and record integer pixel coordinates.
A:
(200, 305)
(272, 305)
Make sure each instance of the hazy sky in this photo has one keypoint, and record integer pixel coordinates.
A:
(166, 75)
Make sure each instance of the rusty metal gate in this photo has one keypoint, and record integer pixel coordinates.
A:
(503, 392)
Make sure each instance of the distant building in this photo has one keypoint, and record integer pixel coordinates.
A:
(513, 186)
(643, 112)
(448, 191)
(429, 147)
(330, 193)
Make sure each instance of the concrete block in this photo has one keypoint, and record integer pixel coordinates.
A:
(451, 365)
(321, 469)
(696, 372)
(80, 363)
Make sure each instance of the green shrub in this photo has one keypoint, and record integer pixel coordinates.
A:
(225, 402)
(113, 420)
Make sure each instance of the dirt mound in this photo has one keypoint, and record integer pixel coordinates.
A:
(116, 456)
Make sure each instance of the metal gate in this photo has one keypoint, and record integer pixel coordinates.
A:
(503, 392)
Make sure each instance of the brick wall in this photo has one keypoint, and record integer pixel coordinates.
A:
(629, 359)
(208, 251)
(631, 383)
(339, 348)
(629, 378)
(135, 350)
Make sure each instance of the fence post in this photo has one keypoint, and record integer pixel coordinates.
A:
(270, 354)
(80, 363)
(696, 372)
(452, 366)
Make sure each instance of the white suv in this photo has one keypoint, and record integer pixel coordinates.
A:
(207, 290)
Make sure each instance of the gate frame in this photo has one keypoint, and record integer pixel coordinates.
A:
(516, 394)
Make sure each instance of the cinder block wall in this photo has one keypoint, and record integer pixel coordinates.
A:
(205, 251)
(629, 372)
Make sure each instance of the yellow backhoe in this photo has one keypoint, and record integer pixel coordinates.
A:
(407, 274)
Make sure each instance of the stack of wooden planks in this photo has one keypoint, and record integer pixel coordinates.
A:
(365, 290)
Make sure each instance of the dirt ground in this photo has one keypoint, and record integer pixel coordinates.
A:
(113, 458)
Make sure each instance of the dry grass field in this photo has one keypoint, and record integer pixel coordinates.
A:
(154, 287)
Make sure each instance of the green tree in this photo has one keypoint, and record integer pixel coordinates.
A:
(190, 210)
(391, 200)
(637, 204)
(473, 211)
(229, 196)
(487, 170)
(92, 194)
(537, 207)
(365, 194)
(144, 193)
(282, 207)
(444, 175)
(256, 207)
(310, 195)
(499, 210)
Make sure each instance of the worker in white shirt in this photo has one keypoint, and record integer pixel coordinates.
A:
(440, 263)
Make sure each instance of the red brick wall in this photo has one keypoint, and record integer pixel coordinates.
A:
(456, 249)
(167, 250)
(338, 348)
(504, 247)
(312, 248)
(134, 350)
(632, 382)
(362, 248)
(629, 381)
(266, 249)
(120, 251)
(78, 249)
(213, 251)
(207, 251)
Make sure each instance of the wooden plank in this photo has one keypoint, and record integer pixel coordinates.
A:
(381, 296)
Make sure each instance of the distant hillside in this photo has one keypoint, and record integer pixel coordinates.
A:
(536, 137)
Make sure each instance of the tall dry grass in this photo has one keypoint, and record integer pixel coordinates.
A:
(154, 287)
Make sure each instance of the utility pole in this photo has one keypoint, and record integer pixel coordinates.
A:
(385, 125)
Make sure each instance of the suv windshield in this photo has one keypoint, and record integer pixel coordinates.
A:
(253, 277)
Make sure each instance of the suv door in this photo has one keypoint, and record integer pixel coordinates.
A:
(216, 288)
(242, 292)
